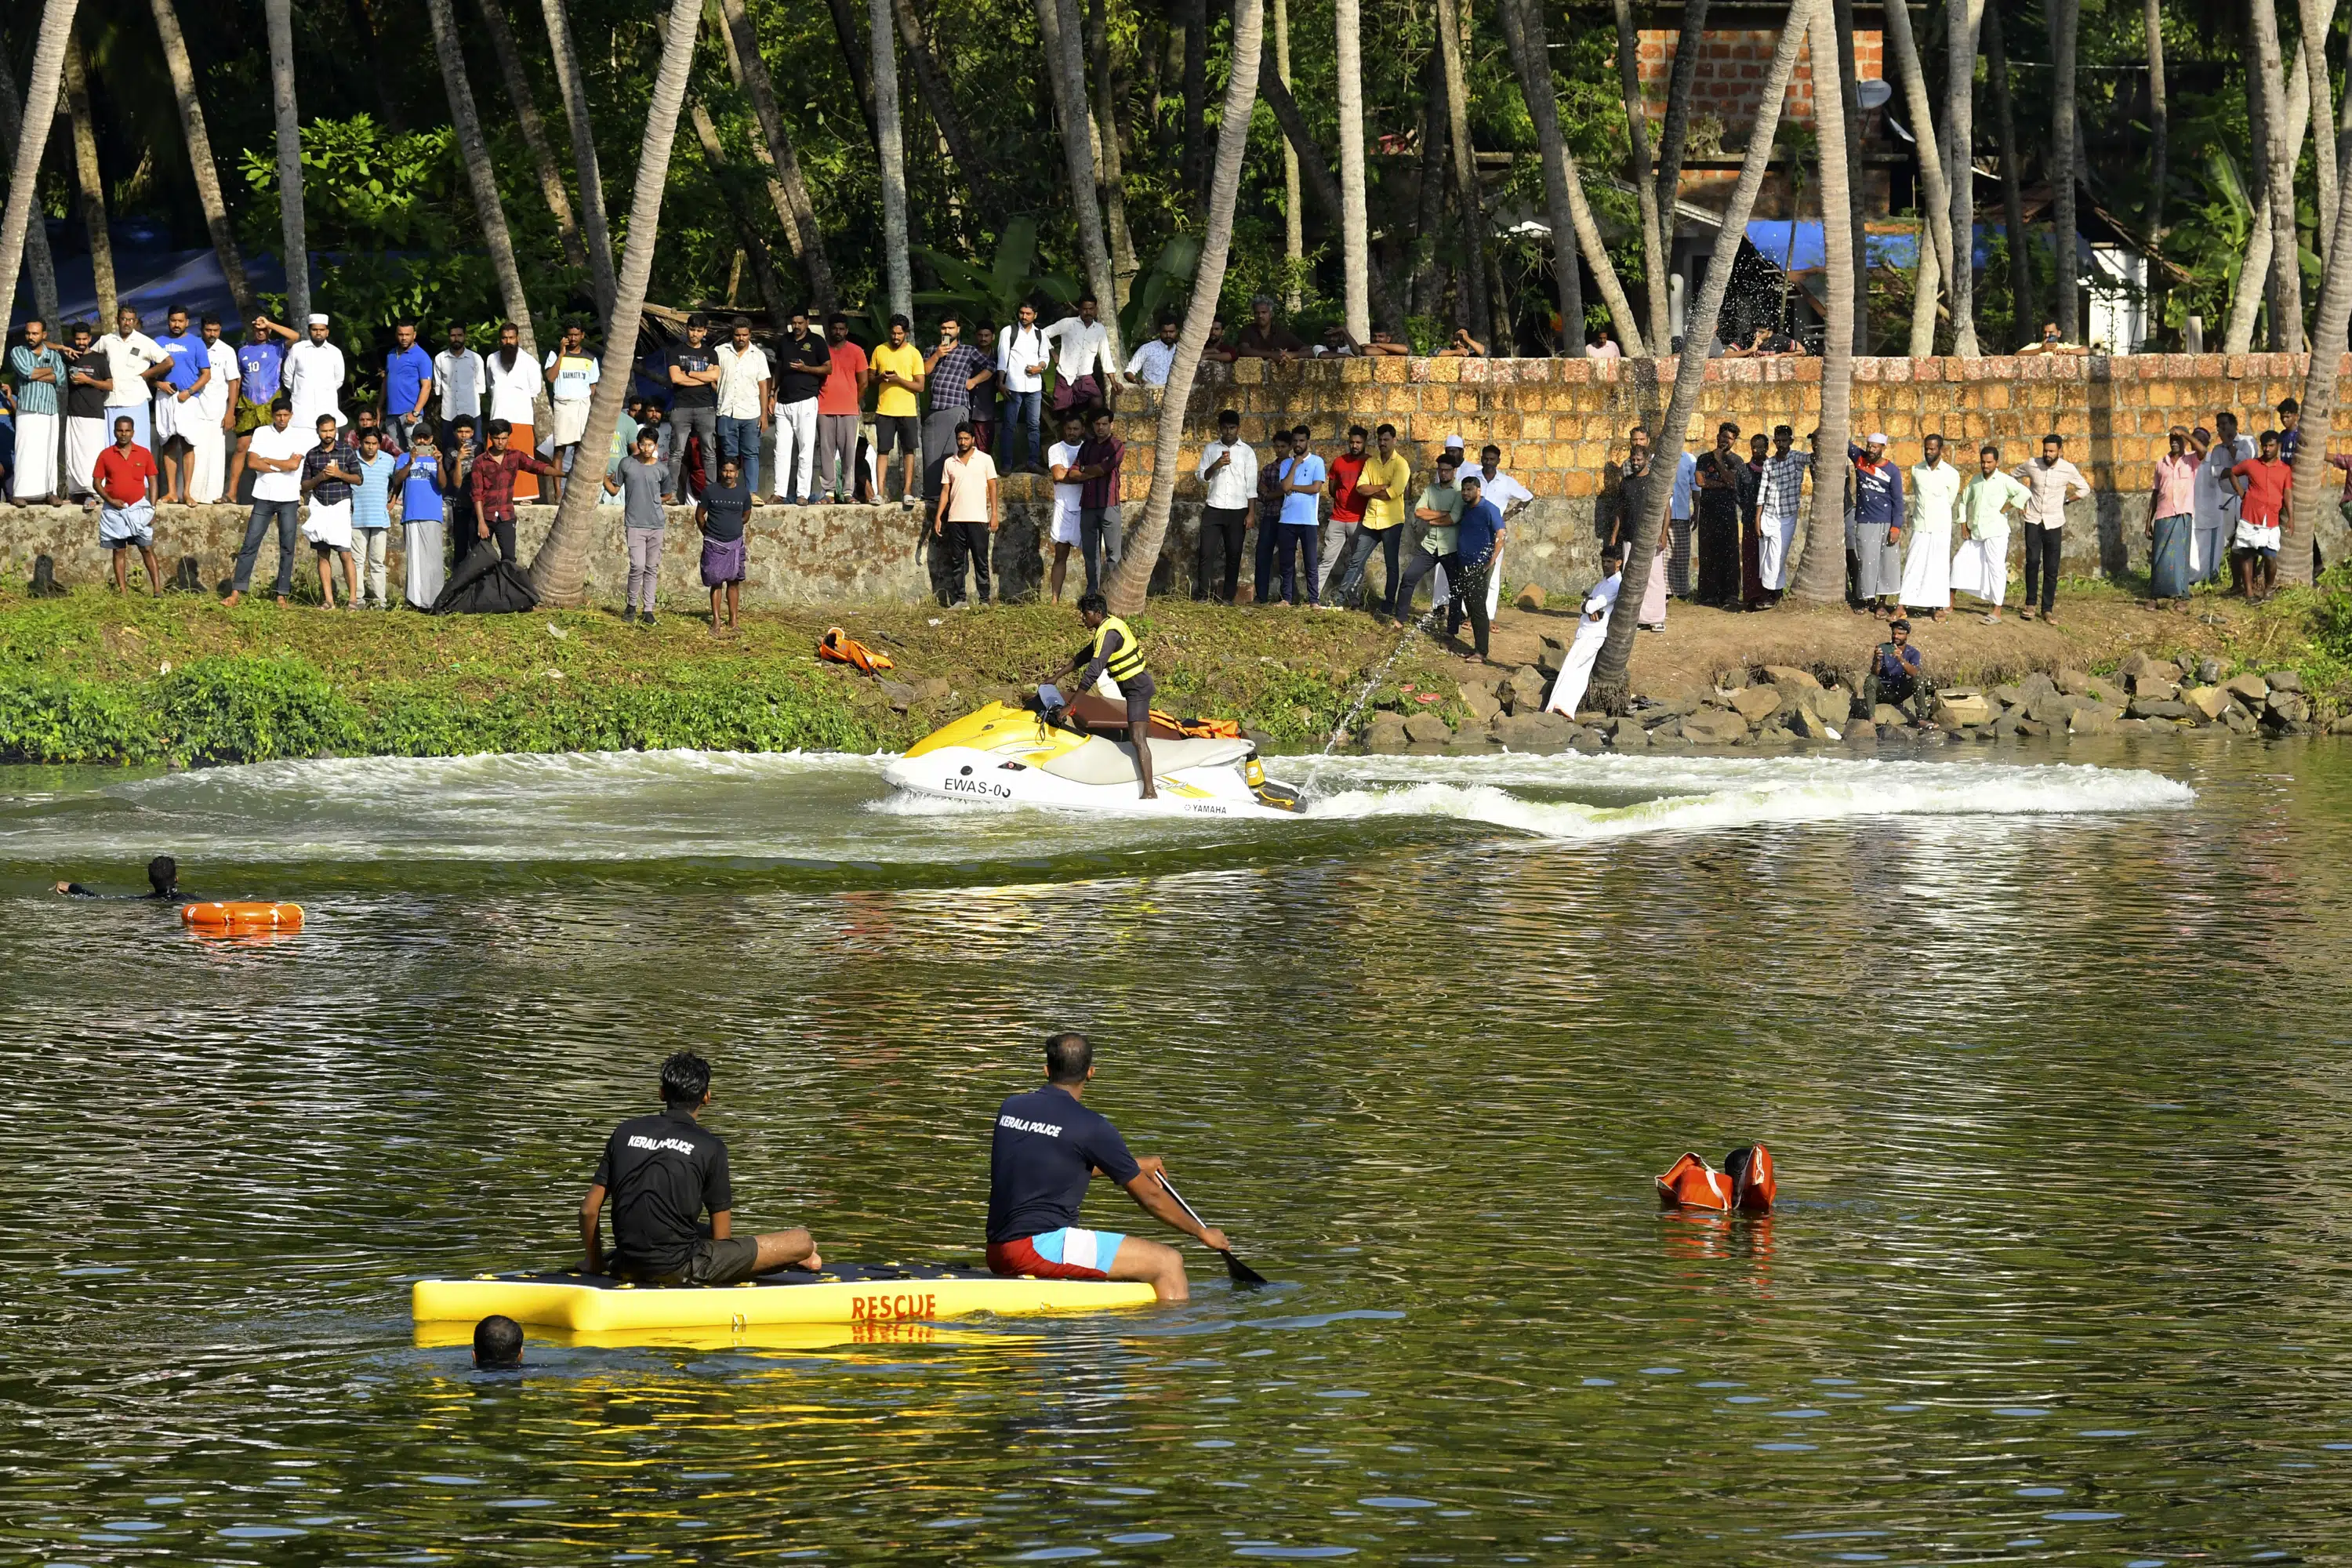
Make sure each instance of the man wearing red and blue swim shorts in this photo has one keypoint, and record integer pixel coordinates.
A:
(1047, 1147)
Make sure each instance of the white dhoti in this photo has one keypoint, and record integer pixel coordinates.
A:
(209, 466)
(84, 439)
(570, 423)
(1980, 567)
(1591, 631)
(1654, 597)
(307, 415)
(37, 456)
(330, 523)
(1773, 536)
(421, 554)
(2208, 545)
(169, 414)
(1927, 569)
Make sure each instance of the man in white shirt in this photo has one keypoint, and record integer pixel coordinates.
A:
(457, 380)
(747, 400)
(572, 375)
(211, 417)
(1080, 344)
(274, 458)
(516, 383)
(2049, 480)
(1150, 362)
(2216, 514)
(1060, 459)
(1927, 550)
(1229, 468)
(1021, 358)
(1591, 631)
(1508, 497)
(136, 363)
(314, 375)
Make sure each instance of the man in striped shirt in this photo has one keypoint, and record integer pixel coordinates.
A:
(1779, 489)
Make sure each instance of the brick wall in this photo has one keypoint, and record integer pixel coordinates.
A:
(1731, 76)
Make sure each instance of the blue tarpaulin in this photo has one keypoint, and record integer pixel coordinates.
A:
(150, 282)
(1770, 237)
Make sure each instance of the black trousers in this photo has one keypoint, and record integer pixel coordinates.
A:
(1466, 585)
(2042, 563)
(1221, 532)
(1269, 522)
(967, 542)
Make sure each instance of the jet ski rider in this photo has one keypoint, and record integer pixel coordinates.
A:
(1115, 649)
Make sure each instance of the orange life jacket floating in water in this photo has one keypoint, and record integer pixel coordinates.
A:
(241, 917)
(1745, 1184)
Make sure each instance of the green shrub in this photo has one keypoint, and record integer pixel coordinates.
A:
(242, 709)
(53, 719)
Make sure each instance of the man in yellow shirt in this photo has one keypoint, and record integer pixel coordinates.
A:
(1384, 485)
(898, 373)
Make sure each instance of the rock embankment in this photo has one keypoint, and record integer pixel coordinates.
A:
(1785, 705)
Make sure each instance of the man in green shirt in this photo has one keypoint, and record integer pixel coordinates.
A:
(1434, 518)
(1980, 565)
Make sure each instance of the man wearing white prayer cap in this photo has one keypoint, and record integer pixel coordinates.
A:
(314, 372)
(1877, 526)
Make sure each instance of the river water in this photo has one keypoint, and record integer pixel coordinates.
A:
(2051, 1052)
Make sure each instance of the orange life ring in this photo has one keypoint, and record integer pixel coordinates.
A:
(1746, 1183)
(242, 916)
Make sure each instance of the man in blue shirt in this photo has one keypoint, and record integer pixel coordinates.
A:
(1298, 477)
(261, 367)
(190, 368)
(407, 385)
(1046, 1148)
(1478, 548)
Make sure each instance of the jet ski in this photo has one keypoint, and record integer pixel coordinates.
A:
(1048, 751)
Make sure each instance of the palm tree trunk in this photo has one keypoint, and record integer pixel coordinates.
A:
(2254, 268)
(1112, 168)
(200, 154)
(1821, 570)
(1133, 581)
(1962, 19)
(738, 212)
(1637, 135)
(2286, 293)
(1523, 32)
(1355, 221)
(2318, 18)
(1057, 24)
(594, 232)
(559, 572)
(939, 101)
(787, 187)
(2160, 174)
(890, 149)
(1428, 284)
(859, 59)
(1849, 86)
(36, 259)
(92, 181)
(2065, 26)
(475, 153)
(1294, 223)
(1610, 670)
(1450, 24)
(279, 18)
(49, 48)
(2012, 185)
(1674, 131)
(1195, 147)
(2313, 489)
(1924, 280)
(1923, 117)
(1317, 174)
(534, 133)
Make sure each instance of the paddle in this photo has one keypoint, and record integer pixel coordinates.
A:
(1240, 1273)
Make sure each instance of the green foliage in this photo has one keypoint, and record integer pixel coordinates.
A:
(243, 708)
(60, 719)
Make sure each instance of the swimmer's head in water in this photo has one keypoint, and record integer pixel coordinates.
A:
(163, 873)
(686, 1080)
(498, 1344)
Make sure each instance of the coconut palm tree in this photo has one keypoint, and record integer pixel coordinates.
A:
(37, 262)
(1609, 671)
(2160, 152)
(1637, 141)
(1057, 24)
(1938, 197)
(277, 17)
(2065, 26)
(1450, 21)
(2255, 268)
(1294, 222)
(1110, 170)
(1133, 579)
(2318, 18)
(890, 151)
(594, 232)
(1850, 106)
(476, 155)
(200, 154)
(1962, 19)
(1673, 129)
(1354, 222)
(92, 181)
(534, 133)
(1569, 213)
(1821, 570)
(794, 211)
(558, 572)
(2012, 184)
(2279, 154)
(2311, 489)
(49, 48)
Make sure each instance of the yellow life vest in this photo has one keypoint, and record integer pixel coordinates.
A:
(1128, 662)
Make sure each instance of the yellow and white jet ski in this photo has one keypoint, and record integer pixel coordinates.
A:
(1078, 756)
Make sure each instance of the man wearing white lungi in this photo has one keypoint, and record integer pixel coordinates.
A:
(2214, 517)
(1779, 492)
(87, 431)
(1981, 566)
(135, 362)
(1927, 558)
(210, 415)
(314, 373)
(39, 371)
(1591, 631)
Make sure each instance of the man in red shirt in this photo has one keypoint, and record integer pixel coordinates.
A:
(2262, 485)
(1346, 496)
(125, 475)
(493, 483)
(836, 413)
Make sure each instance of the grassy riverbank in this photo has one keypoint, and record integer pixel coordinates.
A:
(90, 677)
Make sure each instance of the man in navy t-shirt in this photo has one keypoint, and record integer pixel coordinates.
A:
(1047, 1147)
